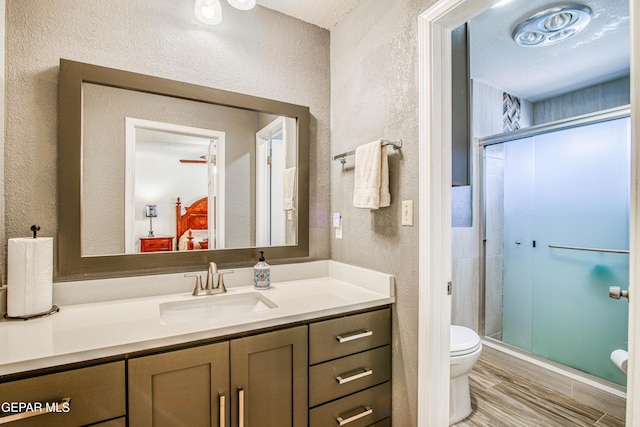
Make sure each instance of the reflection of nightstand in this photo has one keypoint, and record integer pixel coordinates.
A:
(156, 244)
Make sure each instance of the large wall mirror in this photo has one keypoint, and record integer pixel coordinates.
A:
(159, 175)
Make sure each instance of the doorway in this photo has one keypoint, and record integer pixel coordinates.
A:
(435, 27)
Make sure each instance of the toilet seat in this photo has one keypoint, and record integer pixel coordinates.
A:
(463, 341)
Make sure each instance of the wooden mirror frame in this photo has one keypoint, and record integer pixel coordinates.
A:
(70, 264)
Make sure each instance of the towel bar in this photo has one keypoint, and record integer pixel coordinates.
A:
(577, 248)
(395, 144)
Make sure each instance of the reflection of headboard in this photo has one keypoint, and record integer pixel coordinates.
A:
(194, 218)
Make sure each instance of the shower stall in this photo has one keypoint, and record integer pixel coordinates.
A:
(556, 232)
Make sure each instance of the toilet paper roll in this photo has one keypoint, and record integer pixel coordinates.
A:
(29, 276)
(620, 358)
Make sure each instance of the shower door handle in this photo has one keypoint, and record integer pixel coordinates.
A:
(616, 293)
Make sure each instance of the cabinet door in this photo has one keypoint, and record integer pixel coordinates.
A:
(269, 379)
(183, 387)
(92, 394)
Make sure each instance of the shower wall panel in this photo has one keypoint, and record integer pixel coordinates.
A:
(494, 249)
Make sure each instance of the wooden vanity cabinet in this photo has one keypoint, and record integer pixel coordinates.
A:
(168, 389)
(350, 370)
(259, 379)
(94, 394)
(269, 379)
(309, 375)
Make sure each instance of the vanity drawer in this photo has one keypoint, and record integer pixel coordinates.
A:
(338, 378)
(96, 394)
(358, 410)
(335, 338)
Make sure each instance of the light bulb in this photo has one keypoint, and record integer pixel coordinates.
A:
(242, 4)
(208, 11)
(501, 3)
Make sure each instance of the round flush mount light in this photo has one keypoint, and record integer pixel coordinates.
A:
(552, 25)
(208, 11)
(501, 3)
(242, 4)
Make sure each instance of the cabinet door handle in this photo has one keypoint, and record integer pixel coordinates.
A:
(343, 421)
(48, 408)
(365, 373)
(222, 400)
(240, 407)
(363, 333)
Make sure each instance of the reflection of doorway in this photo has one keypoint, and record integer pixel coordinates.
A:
(271, 161)
(165, 161)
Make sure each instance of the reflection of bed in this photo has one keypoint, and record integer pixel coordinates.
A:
(191, 226)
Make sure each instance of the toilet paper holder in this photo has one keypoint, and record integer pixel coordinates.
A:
(54, 309)
(24, 257)
(616, 293)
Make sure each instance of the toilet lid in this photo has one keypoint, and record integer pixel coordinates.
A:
(463, 340)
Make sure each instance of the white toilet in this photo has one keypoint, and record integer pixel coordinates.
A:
(464, 353)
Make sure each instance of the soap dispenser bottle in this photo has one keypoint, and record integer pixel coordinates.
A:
(261, 274)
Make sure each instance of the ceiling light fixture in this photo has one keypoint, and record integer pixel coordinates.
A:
(552, 25)
(208, 11)
(501, 3)
(242, 4)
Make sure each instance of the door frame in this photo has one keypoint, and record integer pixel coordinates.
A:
(131, 124)
(434, 50)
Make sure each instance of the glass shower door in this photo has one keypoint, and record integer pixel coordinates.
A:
(581, 201)
(568, 188)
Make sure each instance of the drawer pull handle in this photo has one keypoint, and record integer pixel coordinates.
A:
(367, 411)
(354, 335)
(365, 373)
(50, 407)
(240, 407)
(222, 409)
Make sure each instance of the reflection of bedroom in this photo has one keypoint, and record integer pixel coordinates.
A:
(157, 177)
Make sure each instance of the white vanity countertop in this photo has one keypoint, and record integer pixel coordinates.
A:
(90, 330)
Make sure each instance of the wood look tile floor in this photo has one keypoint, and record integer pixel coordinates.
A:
(501, 399)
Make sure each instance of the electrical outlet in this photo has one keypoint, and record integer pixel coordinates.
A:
(407, 213)
(337, 224)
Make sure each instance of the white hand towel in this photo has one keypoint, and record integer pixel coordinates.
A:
(289, 189)
(371, 187)
(385, 195)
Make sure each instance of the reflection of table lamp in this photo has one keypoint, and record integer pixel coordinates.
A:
(151, 211)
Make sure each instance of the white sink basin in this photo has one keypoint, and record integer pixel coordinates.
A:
(211, 306)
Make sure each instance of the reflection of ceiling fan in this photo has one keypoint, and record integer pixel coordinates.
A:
(203, 160)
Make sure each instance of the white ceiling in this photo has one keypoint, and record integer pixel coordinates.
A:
(323, 13)
(599, 53)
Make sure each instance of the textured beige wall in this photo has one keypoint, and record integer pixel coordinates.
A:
(3, 294)
(261, 53)
(374, 94)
